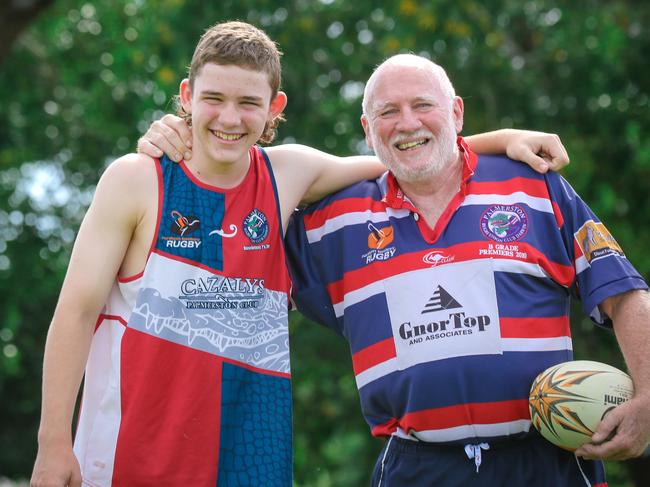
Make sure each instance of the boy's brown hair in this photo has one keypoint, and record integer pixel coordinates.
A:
(244, 45)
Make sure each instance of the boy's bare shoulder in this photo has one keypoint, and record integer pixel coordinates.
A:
(129, 182)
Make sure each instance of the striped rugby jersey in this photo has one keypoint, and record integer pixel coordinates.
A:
(188, 379)
(449, 326)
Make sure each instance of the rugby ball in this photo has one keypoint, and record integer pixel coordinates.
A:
(568, 400)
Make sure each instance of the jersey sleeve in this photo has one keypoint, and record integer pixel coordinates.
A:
(309, 291)
(601, 267)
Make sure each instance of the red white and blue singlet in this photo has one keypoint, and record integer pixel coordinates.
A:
(449, 326)
(188, 379)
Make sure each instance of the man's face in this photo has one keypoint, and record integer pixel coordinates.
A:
(412, 123)
(230, 106)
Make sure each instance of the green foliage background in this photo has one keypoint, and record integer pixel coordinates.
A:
(88, 77)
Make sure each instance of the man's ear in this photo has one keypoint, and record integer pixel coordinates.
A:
(366, 130)
(278, 104)
(186, 96)
(458, 110)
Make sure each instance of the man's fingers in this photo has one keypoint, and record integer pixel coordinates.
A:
(180, 127)
(146, 147)
(167, 139)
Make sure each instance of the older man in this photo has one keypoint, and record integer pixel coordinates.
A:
(450, 276)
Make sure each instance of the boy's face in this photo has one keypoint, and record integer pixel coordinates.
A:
(230, 106)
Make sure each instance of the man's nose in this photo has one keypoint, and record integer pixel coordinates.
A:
(408, 121)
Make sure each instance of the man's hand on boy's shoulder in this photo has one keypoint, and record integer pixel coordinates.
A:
(170, 135)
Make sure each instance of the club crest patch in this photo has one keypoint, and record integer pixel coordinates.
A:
(504, 223)
(595, 241)
(256, 226)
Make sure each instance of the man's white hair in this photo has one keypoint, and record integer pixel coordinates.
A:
(408, 60)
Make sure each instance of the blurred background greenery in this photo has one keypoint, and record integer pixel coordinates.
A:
(81, 80)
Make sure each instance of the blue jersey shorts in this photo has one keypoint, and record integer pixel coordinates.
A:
(526, 462)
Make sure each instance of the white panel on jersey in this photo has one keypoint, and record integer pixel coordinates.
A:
(356, 296)
(99, 422)
(376, 372)
(444, 312)
(536, 344)
(540, 204)
(473, 431)
(353, 218)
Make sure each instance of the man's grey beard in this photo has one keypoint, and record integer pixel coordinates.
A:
(443, 152)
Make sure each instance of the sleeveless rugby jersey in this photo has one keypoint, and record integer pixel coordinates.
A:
(188, 380)
(448, 326)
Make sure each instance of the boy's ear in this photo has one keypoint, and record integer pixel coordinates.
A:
(186, 96)
(278, 104)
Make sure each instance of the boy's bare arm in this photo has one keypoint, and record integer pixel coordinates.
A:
(540, 150)
(101, 244)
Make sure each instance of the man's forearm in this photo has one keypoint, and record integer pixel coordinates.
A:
(631, 317)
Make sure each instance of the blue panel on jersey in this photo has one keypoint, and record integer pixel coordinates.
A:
(255, 442)
(190, 223)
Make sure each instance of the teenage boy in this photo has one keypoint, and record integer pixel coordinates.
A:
(175, 300)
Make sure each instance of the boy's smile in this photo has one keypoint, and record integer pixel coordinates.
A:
(230, 107)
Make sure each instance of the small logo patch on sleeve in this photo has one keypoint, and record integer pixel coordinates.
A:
(596, 242)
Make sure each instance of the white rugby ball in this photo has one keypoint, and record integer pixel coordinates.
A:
(568, 400)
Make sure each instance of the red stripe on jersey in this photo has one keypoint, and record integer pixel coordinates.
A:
(385, 429)
(535, 327)
(558, 214)
(531, 187)
(373, 355)
(577, 250)
(341, 207)
(463, 414)
(102, 317)
(458, 415)
(378, 270)
(132, 278)
(152, 245)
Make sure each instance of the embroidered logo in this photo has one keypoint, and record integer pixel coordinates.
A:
(504, 223)
(222, 233)
(379, 240)
(182, 225)
(440, 300)
(256, 226)
(437, 257)
(181, 228)
(596, 242)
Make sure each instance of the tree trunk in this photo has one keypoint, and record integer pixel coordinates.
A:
(16, 15)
